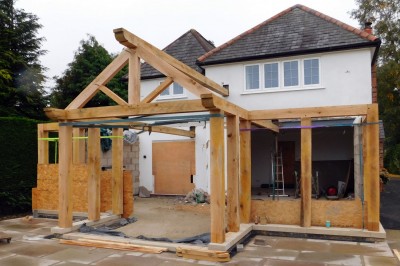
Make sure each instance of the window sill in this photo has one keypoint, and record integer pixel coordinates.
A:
(281, 90)
(173, 97)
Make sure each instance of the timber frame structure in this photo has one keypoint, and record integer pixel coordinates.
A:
(222, 112)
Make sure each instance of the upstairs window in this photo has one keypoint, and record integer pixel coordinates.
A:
(252, 77)
(291, 73)
(271, 75)
(311, 71)
(174, 90)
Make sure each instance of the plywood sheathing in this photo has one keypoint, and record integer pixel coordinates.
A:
(340, 213)
(46, 195)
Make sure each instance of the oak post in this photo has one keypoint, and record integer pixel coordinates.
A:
(245, 171)
(306, 172)
(43, 145)
(94, 153)
(134, 78)
(217, 177)
(117, 171)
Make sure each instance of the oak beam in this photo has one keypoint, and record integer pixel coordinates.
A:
(233, 143)
(213, 102)
(306, 172)
(371, 168)
(170, 107)
(292, 113)
(43, 145)
(78, 146)
(102, 79)
(266, 124)
(94, 167)
(245, 172)
(117, 171)
(217, 178)
(167, 130)
(50, 126)
(163, 85)
(134, 78)
(65, 178)
(112, 95)
(132, 41)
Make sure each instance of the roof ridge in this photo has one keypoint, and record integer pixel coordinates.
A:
(206, 44)
(329, 19)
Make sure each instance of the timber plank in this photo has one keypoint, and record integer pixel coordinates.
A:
(203, 254)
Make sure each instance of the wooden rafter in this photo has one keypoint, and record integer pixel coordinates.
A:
(266, 124)
(102, 79)
(130, 40)
(160, 88)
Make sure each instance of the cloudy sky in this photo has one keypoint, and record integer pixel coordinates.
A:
(67, 22)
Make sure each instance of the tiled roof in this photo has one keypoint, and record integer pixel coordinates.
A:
(296, 30)
(186, 49)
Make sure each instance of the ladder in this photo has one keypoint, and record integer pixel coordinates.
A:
(278, 180)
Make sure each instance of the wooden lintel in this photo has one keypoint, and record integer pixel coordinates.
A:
(50, 126)
(170, 107)
(102, 79)
(112, 95)
(214, 102)
(163, 85)
(130, 40)
(306, 172)
(292, 113)
(266, 124)
(167, 130)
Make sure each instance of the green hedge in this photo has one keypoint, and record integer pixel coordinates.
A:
(18, 159)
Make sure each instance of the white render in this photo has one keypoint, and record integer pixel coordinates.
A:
(345, 80)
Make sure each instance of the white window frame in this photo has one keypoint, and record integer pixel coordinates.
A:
(171, 94)
(281, 85)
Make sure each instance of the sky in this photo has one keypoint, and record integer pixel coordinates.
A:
(160, 22)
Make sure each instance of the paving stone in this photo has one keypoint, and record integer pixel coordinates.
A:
(373, 261)
(329, 258)
(130, 261)
(36, 249)
(81, 255)
(25, 260)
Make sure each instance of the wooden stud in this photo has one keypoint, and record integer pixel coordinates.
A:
(102, 79)
(245, 172)
(163, 85)
(112, 95)
(326, 111)
(306, 172)
(94, 167)
(43, 145)
(117, 171)
(217, 178)
(371, 168)
(134, 78)
(232, 123)
(65, 178)
(132, 41)
(78, 150)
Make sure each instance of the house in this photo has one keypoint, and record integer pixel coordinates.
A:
(297, 91)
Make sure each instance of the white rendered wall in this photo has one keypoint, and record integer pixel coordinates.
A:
(147, 86)
(345, 80)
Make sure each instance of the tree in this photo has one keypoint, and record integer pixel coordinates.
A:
(21, 74)
(89, 60)
(385, 15)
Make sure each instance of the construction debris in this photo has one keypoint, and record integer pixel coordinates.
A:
(198, 240)
(144, 192)
(203, 254)
(113, 245)
(197, 195)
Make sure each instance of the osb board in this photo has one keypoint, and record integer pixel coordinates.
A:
(173, 170)
(340, 213)
(45, 195)
(276, 211)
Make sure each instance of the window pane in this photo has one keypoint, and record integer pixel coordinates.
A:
(177, 89)
(271, 75)
(165, 92)
(252, 77)
(311, 71)
(291, 73)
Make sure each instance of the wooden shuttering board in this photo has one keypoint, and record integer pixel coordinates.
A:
(173, 166)
(203, 254)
